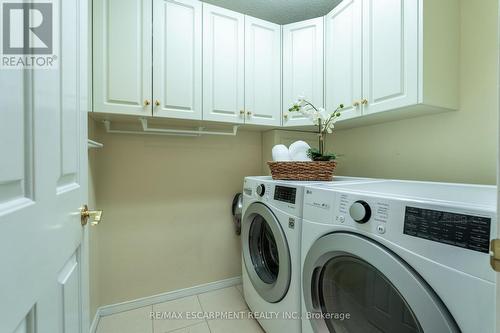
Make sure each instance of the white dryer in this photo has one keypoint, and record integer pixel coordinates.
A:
(271, 234)
(398, 256)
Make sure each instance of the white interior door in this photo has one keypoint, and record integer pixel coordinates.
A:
(343, 63)
(177, 59)
(498, 273)
(302, 67)
(223, 64)
(262, 72)
(497, 305)
(390, 54)
(122, 60)
(43, 182)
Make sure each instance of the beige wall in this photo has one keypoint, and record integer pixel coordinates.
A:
(455, 146)
(167, 218)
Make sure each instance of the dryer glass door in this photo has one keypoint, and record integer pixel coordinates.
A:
(351, 283)
(265, 253)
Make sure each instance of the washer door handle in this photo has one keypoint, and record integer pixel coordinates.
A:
(315, 289)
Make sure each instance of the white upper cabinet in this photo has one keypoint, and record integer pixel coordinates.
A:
(390, 54)
(122, 56)
(223, 65)
(262, 72)
(177, 42)
(302, 67)
(187, 59)
(410, 60)
(343, 62)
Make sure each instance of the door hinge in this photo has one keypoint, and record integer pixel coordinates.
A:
(495, 254)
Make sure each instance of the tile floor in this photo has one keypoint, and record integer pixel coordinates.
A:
(222, 300)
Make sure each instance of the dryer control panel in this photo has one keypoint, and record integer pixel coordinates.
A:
(466, 231)
(431, 221)
(366, 213)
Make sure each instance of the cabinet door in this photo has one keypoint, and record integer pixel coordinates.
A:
(302, 67)
(262, 72)
(122, 56)
(343, 63)
(223, 66)
(390, 54)
(177, 58)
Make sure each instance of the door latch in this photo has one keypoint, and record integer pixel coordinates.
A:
(291, 223)
(95, 216)
(495, 254)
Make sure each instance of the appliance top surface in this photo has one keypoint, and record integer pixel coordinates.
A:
(336, 180)
(455, 194)
(285, 195)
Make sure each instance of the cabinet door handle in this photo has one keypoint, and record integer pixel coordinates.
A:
(249, 113)
(147, 102)
(285, 116)
(157, 102)
(364, 101)
(355, 104)
(242, 112)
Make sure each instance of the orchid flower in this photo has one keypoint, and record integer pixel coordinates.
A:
(318, 116)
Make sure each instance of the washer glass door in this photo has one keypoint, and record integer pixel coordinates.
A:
(263, 250)
(265, 253)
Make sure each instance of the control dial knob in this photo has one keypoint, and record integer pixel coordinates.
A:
(261, 189)
(360, 211)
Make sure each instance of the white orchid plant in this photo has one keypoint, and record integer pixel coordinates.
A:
(325, 122)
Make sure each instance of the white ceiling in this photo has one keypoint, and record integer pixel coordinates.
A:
(279, 11)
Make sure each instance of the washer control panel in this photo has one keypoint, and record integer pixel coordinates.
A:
(285, 194)
(286, 197)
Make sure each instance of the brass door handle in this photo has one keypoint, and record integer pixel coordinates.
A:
(157, 102)
(355, 104)
(249, 113)
(95, 216)
(147, 102)
(242, 112)
(364, 101)
(285, 116)
(495, 255)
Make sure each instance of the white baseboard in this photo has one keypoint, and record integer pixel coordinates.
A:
(95, 322)
(107, 310)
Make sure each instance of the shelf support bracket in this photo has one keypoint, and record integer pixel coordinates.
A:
(168, 131)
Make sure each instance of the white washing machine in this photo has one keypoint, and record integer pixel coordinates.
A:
(271, 234)
(398, 256)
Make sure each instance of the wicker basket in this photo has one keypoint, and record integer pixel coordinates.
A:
(314, 170)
